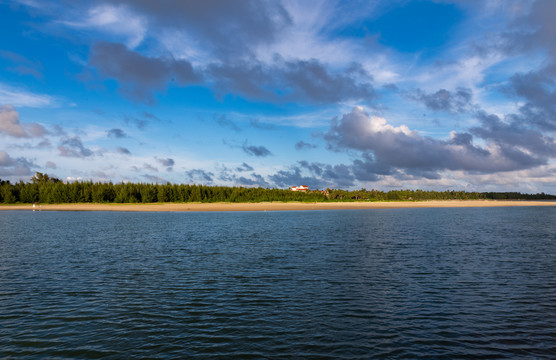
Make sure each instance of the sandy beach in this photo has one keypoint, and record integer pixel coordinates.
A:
(275, 206)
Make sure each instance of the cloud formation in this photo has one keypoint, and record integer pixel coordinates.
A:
(226, 28)
(257, 124)
(22, 65)
(116, 133)
(258, 151)
(23, 98)
(199, 176)
(138, 75)
(244, 167)
(302, 145)
(168, 163)
(119, 21)
(294, 176)
(155, 179)
(254, 180)
(458, 101)
(530, 33)
(224, 122)
(10, 125)
(287, 81)
(387, 149)
(14, 167)
(123, 151)
(487, 71)
(73, 147)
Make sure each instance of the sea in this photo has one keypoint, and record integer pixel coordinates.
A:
(456, 283)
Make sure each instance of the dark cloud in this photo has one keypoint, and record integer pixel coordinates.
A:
(287, 81)
(367, 169)
(123, 151)
(168, 163)
(250, 80)
(10, 125)
(14, 167)
(537, 89)
(6, 159)
(224, 27)
(260, 125)
(57, 130)
(151, 116)
(258, 151)
(50, 165)
(137, 75)
(44, 143)
(223, 121)
(322, 175)
(533, 30)
(141, 124)
(529, 34)
(312, 81)
(225, 174)
(387, 150)
(254, 180)
(315, 168)
(514, 134)
(280, 81)
(142, 120)
(335, 175)
(155, 179)
(294, 176)
(457, 101)
(231, 176)
(339, 174)
(100, 174)
(244, 167)
(116, 133)
(302, 145)
(73, 147)
(199, 176)
(22, 65)
(149, 167)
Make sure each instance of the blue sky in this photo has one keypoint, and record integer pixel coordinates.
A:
(427, 95)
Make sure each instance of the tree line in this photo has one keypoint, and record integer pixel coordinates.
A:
(45, 189)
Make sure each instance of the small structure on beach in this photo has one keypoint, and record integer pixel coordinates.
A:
(302, 188)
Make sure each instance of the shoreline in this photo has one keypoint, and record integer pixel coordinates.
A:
(276, 206)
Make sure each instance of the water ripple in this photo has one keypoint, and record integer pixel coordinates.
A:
(369, 284)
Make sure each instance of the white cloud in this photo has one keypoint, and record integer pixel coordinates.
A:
(379, 125)
(22, 98)
(183, 46)
(305, 40)
(10, 125)
(14, 168)
(116, 20)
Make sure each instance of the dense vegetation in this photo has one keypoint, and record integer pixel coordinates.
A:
(45, 189)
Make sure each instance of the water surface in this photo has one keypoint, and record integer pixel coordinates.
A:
(351, 284)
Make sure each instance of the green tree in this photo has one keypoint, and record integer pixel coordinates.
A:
(6, 193)
(40, 178)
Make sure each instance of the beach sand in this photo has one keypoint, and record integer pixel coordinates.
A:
(275, 206)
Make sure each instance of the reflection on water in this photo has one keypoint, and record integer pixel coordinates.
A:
(399, 283)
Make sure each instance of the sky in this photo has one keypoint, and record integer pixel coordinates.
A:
(385, 94)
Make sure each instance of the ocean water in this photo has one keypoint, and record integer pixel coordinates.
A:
(467, 283)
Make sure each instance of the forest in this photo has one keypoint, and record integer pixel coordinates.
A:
(49, 190)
